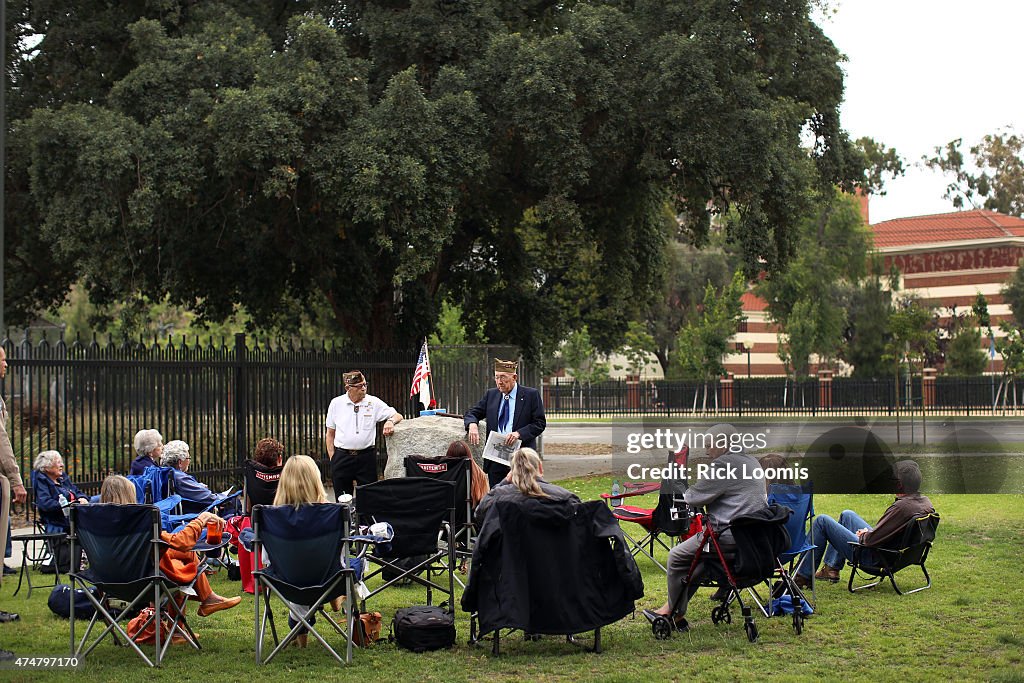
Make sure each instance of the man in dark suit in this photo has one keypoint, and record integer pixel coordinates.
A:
(510, 409)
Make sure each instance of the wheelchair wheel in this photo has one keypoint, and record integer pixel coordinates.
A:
(661, 628)
(751, 630)
(721, 615)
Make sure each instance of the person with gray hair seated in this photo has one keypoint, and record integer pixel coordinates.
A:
(909, 505)
(723, 498)
(176, 456)
(49, 483)
(523, 481)
(148, 444)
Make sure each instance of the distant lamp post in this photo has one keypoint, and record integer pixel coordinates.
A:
(748, 347)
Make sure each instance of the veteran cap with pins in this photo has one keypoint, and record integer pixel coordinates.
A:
(505, 365)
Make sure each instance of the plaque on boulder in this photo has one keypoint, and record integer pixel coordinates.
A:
(428, 435)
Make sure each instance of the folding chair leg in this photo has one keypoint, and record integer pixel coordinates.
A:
(927, 579)
(853, 575)
(303, 623)
(179, 624)
(112, 628)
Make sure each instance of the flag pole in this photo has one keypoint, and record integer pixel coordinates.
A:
(430, 378)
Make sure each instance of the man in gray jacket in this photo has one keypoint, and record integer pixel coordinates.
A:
(731, 487)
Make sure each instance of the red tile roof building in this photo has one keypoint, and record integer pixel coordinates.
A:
(945, 259)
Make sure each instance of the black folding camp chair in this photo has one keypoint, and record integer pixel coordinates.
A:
(583, 581)
(122, 544)
(308, 566)
(910, 549)
(260, 483)
(421, 512)
(459, 472)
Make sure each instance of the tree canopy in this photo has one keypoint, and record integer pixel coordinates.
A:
(993, 176)
(514, 158)
(806, 299)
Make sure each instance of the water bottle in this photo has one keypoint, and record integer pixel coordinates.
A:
(616, 501)
(64, 505)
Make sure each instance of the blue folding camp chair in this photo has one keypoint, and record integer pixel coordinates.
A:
(307, 548)
(187, 510)
(153, 487)
(799, 499)
(122, 544)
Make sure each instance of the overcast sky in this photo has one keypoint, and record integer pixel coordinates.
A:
(921, 73)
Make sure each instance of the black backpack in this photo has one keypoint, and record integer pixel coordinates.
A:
(423, 628)
(60, 602)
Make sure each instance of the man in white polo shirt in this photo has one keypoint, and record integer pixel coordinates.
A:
(352, 431)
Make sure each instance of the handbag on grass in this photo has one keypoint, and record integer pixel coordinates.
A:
(367, 629)
(144, 633)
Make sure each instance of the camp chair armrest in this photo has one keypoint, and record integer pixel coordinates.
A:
(887, 555)
(642, 490)
(204, 547)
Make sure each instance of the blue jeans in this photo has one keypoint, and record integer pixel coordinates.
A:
(833, 540)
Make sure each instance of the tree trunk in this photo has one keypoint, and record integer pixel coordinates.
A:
(664, 359)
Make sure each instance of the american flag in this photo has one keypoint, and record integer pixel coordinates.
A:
(421, 378)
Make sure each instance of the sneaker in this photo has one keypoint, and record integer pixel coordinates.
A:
(6, 617)
(9, 570)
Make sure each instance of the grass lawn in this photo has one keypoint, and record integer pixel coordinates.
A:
(968, 626)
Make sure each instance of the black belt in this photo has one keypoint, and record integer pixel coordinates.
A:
(353, 451)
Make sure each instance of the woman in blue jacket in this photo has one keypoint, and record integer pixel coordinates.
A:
(49, 482)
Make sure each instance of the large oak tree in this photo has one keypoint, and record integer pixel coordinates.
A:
(515, 157)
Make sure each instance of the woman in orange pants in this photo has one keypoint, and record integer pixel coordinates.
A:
(177, 562)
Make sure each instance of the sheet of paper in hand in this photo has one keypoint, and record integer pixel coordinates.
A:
(496, 450)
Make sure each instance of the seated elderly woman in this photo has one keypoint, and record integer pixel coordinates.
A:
(176, 455)
(523, 481)
(148, 444)
(177, 561)
(49, 483)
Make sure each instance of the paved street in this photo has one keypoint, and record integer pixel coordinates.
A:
(779, 435)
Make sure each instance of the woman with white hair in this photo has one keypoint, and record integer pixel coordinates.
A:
(49, 483)
(148, 444)
(176, 456)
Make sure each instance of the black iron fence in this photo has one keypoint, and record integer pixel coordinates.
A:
(87, 400)
(781, 396)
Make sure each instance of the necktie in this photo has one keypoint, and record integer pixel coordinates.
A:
(503, 414)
